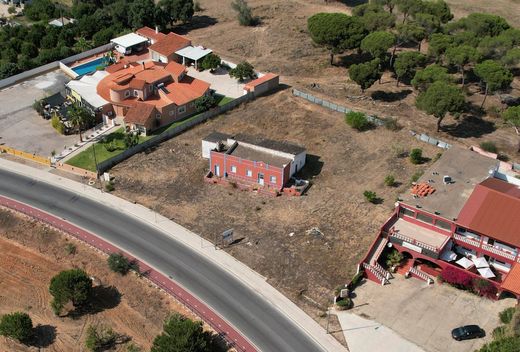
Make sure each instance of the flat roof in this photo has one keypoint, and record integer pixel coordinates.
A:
(419, 233)
(216, 137)
(245, 152)
(194, 52)
(86, 87)
(285, 147)
(129, 40)
(466, 169)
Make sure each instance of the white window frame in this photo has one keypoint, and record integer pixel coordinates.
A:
(249, 173)
(136, 93)
(127, 93)
(233, 169)
(272, 179)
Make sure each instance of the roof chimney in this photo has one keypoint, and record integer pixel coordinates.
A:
(156, 29)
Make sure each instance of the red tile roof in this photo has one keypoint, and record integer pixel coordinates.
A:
(169, 44)
(512, 281)
(150, 33)
(140, 113)
(175, 68)
(493, 209)
(258, 81)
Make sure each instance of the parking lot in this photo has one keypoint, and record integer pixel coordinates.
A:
(425, 315)
(220, 82)
(20, 125)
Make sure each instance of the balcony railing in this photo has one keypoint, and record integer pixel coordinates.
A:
(422, 275)
(413, 241)
(499, 252)
(377, 274)
(467, 240)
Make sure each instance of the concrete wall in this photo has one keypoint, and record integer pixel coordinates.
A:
(207, 147)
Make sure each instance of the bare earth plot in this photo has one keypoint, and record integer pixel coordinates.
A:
(341, 164)
(25, 272)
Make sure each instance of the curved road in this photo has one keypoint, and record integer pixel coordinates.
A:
(255, 317)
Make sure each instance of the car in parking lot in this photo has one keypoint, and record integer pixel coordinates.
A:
(467, 332)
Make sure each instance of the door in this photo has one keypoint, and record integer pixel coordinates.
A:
(217, 170)
(260, 179)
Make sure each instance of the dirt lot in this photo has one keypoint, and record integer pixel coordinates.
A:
(25, 272)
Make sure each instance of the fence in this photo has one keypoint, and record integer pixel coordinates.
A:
(75, 170)
(28, 156)
(332, 106)
(6, 82)
(430, 140)
(107, 164)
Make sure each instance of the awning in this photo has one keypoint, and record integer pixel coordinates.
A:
(448, 256)
(480, 262)
(464, 262)
(486, 272)
(129, 40)
(194, 53)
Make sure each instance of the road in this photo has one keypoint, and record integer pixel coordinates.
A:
(256, 318)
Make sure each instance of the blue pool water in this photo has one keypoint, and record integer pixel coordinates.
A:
(89, 66)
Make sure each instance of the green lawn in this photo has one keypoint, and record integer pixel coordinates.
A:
(224, 100)
(85, 159)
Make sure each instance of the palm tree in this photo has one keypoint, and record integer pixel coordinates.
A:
(79, 117)
(82, 45)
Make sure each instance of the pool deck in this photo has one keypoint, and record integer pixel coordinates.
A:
(87, 59)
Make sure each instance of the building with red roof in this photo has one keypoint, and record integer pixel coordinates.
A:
(164, 50)
(468, 222)
(153, 35)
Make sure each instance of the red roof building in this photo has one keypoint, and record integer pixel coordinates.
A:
(152, 35)
(164, 49)
(470, 223)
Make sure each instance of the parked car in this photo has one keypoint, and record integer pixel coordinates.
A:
(467, 332)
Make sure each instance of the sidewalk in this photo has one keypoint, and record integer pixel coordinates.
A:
(243, 273)
(90, 136)
(365, 335)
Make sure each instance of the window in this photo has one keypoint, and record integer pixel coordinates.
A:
(407, 212)
(181, 109)
(136, 93)
(127, 93)
(273, 179)
(172, 112)
(249, 173)
(233, 169)
(443, 225)
(424, 218)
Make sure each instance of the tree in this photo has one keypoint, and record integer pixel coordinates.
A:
(242, 71)
(16, 326)
(245, 15)
(439, 99)
(374, 17)
(182, 334)
(483, 24)
(131, 139)
(407, 63)
(177, 10)
(408, 32)
(494, 75)
(438, 44)
(377, 44)
(29, 50)
(100, 338)
(439, 9)
(80, 118)
(416, 156)
(512, 57)
(495, 47)
(336, 31)
(426, 77)
(357, 120)
(204, 103)
(211, 62)
(7, 69)
(70, 286)
(430, 23)
(141, 13)
(365, 74)
(460, 56)
(82, 45)
(390, 4)
(408, 7)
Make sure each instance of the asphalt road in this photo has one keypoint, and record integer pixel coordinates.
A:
(253, 316)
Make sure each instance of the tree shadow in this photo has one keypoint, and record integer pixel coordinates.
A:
(353, 58)
(351, 3)
(196, 22)
(390, 97)
(470, 126)
(44, 336)
(101, 299)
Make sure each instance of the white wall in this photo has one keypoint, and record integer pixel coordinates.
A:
(207, 147)
(298, 163)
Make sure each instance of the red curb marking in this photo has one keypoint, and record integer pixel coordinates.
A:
(234, 338)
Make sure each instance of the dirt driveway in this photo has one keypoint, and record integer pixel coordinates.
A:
(425, 315)
(220, 81)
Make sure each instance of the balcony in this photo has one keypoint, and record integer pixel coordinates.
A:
(467, 240)
(498, 252)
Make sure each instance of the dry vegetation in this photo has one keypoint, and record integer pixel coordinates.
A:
(25, 272)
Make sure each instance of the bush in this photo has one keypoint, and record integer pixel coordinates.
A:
(499, 332)
(506, 315)
(391, 124)
(211, 62)
(344, 304)
(416, 156)
(457, 278)
(245, 15)
(356, 280)
(204, 103)
(100, 338)
(11, 10)
(119, 263)
(506, 344)
(17, 326)
(390, 180)
(417, 175)
(394, 258)
(57, 124)
(109, 186)
(357, 120)
(370, 196)
(70, 285)
(242, 71)
(70, 248)
(110, 146)
(489, 147)
(484, 288)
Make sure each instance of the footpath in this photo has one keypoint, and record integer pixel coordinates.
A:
(225, 261)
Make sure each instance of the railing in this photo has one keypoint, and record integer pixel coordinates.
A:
(376, 273)
(499, 252)
(419, 273)
(382, 270)
(467, 240)
(414, 241)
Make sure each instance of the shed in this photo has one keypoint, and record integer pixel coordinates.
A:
(193, 54)
(129, 43)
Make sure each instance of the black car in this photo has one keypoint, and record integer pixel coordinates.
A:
(467, 332)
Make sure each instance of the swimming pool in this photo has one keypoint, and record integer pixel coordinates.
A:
(89, 66)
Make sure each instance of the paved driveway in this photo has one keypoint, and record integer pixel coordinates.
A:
(220, 81)
(425, 315)
(20, 125)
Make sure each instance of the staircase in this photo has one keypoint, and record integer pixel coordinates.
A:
(413, 271)
(374, 271)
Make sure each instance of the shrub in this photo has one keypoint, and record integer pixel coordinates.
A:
(109, 186)
(417, 175)
(499, 332)
(57, 124)
(204, 103)
(197, 7)
(211, 62)
(17, 326)
(484, 288)
(506, 315)
(70, 248)
(245, 15)
(489, 147)
(356, 280)
(391, 124)
(344, 304)
(100, 338)
(370, 196)
(242, 71)
(457, 278)
(119, 263)
(416, 156)
(37, 105)
(357, 120)
(110, 146)
(390, 180)
(394, 258)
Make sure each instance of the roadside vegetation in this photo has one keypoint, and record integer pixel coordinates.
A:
(506, 337)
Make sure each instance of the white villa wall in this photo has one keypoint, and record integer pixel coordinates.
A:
(207, 147)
